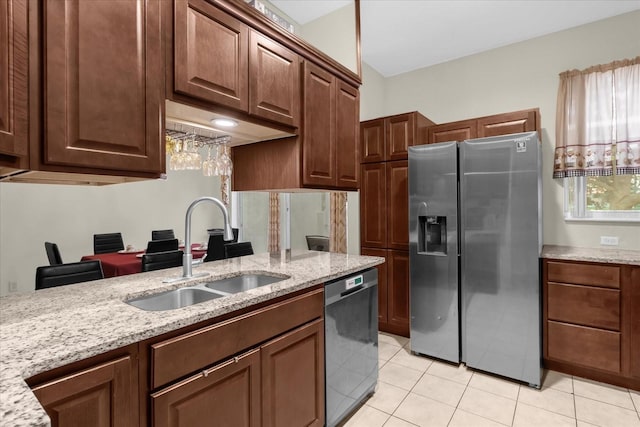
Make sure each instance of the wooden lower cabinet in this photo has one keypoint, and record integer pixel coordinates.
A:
(591, 321)
(227, 394)
(382, 285)
(398, 292)
(393, 290)
(280, 383)
(101, 396)
(631, 310)
(293, 378)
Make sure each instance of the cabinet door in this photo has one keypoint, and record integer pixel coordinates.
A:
(293, 378)
(226, 395)
(347, 128)
(397, 205)
(632, 303)
(373, 206)
(211, 57)
(400, 136)
(101, 396)
(455, 131)
(372, 141)
(319, 148)
(274, 81)
(398, 292)
(382, 285)
(104, 92)
(507, 123)
(13, 85)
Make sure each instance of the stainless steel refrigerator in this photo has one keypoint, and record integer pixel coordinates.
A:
(475, 238)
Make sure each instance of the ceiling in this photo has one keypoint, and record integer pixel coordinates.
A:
(398, 36)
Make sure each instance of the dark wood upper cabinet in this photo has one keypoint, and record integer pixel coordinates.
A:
(103, 95)
(13, 85)
(274, 80)
(372, 140)
(319, 132)
(347, 129)
(454, 131)
(507, 123)
(329, 131)
(388, 138)
(373, 206)
(221, 61)
(211, 54)
(397, 209)
(498, 124)
(399, 135)
(102, 395)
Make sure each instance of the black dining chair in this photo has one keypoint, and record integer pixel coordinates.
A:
(232, 250)
(162, 234)
(53, 253)
(106, 243)
(161, 260)
(162, 245)
(50, 276)
(318, 243)
(215, 245)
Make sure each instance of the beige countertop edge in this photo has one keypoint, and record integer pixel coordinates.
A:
(104, 322)
(603, 255)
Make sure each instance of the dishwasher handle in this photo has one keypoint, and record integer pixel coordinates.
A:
(339, 290)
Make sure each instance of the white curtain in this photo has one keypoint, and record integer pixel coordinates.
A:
(598, 121)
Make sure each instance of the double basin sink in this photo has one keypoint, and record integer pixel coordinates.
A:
(183, 297)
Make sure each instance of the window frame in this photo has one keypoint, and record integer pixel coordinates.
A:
(579, 211)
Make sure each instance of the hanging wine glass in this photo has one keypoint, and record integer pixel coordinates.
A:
(209, 165)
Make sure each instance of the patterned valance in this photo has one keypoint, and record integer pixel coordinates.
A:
(598, 121)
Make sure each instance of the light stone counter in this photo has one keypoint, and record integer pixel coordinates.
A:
(54, 327)
(570, 253)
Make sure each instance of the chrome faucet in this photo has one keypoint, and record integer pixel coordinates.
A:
(228, 233)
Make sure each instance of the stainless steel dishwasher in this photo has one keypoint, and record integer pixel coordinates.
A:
(351, 343)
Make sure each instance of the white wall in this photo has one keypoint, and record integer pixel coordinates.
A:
(516, 77)
(68, 215)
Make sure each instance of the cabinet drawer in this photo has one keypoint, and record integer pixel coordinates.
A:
(590, 347)
(584, 274)
(182, 355)
(584, 305)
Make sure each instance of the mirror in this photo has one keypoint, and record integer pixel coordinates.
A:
(310, 21)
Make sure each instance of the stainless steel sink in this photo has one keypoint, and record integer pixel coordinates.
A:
(171, 300)
(244, 282)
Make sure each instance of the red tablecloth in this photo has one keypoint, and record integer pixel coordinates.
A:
(119, 264)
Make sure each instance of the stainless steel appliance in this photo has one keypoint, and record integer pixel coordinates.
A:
(475, 241)
(351, 343)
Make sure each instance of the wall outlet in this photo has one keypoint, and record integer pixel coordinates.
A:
(13, 286)
(609, 240)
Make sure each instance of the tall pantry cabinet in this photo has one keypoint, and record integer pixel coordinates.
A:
(384, 210)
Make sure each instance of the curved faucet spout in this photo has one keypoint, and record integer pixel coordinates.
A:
(228, 232)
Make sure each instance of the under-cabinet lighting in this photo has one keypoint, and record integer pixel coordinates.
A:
(227, 123)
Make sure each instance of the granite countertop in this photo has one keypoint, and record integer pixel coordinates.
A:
(570, 253)
(53, 327)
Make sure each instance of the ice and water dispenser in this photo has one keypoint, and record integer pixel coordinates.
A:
(432, 235)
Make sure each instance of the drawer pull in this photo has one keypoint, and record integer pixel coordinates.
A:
(236, 359)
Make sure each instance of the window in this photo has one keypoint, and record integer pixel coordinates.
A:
(598, 142)
(610, 198)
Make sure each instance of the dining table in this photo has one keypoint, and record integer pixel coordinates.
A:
(126, 262)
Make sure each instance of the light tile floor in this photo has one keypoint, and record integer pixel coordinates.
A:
(418, 391)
